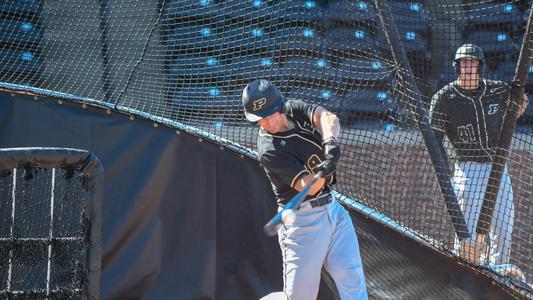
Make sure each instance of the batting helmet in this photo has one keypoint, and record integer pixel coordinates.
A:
(469, 51)
(261, 99)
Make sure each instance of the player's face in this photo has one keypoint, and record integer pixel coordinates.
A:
(272, 123)
(469, 69)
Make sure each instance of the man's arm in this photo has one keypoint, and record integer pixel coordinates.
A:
(329, 126)
(438, 121)
(301, 183)
(327, 123)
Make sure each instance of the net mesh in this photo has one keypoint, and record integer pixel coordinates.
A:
(44, 235)
(188, 61)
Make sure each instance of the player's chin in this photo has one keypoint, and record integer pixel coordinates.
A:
(274, 129)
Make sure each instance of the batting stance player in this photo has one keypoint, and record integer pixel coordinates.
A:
(469, 111)
(296, 140)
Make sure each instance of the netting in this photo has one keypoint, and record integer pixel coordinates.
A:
(45, 231)
(187, 61)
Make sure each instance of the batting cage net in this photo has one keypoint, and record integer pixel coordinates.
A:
(378, 64)
(49, 224)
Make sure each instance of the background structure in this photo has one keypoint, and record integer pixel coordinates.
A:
(101, 75)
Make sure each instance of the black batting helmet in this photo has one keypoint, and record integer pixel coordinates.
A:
(261, 99)
(469, 51)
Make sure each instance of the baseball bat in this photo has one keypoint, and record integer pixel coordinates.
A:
(271, 227)
(506, 134)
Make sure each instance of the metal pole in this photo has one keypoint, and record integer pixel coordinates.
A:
(437, 157)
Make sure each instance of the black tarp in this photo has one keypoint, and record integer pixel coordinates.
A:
(182, 219)
(178, 214)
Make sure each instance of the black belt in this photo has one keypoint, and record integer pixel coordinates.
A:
(480, 160)
(320, 200)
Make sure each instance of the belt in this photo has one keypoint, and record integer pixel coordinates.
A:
(320, 200)
(479, 160)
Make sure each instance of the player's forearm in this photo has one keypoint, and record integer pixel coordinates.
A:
(331, 127)
(305, 180)
(328, 123)
(439, 137)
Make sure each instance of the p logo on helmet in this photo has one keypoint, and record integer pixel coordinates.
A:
(258, 104)
(261, 99)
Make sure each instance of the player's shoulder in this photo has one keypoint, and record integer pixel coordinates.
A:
(264, 142)
(268, 144)
(268, 153)
(300, 110)
(293, 106)
(496, 84)
(446, 92)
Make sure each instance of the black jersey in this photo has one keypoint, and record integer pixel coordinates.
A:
(472, 120)
(289, 155)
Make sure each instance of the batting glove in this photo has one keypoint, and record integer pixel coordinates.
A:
(332, 151)
(327, 167)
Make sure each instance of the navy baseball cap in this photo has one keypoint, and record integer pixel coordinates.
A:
(261, 99)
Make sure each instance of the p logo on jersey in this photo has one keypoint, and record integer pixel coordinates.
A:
(259, 103)
(493, 108)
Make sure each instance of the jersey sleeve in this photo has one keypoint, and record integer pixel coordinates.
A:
(437, 116)
(285, 168)
(301, 110)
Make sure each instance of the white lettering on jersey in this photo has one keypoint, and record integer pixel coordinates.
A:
(493, 108)
(466, 133)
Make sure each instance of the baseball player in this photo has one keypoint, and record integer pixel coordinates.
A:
(295, 141)
(469, 111)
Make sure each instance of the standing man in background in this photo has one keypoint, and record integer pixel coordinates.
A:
(297, 140)
(470, 111)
